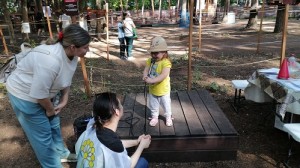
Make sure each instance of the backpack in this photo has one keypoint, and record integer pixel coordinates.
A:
(10, 63)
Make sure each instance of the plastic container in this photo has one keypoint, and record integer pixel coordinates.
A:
(231, 18)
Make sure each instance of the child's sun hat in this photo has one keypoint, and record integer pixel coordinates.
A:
(158, 44)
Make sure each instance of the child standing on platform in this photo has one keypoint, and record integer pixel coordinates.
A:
(157, 74)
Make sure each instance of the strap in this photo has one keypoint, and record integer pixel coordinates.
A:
(127, 27)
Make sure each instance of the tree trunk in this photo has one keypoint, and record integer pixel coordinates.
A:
(56, 5)
(159, 10)
(25, 16)
(126, 7)
(39, 5)
(253, 14)
(143, 5)
(177, 10)
(279, 19)
(7, 20)
(99, 4)
(121, 5)
(170, 12)
(82, 5)
(226, 8)
(137, 7)
(252, 19)
(152, 4)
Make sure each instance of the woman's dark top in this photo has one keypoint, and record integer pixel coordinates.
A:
(110, 139)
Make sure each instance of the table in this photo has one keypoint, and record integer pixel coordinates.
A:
(264, 86)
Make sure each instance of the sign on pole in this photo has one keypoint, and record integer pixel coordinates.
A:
(71, 7)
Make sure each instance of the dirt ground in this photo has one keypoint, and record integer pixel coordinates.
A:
(227, 53)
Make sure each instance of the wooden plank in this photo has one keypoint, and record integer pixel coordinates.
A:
(194, 143)
(165, 130)
(216, 147)
(192, 119)
(179, 122)
(190, 156)
(139, 114)
(212, 136)
(217, 114)
(153, 131)
(207, 121)
(124, 127)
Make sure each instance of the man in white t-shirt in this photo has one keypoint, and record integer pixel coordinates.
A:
(65, 20)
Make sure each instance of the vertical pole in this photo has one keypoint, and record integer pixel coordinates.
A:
(260, 26)
(190, 44)
(177, 11)
(48, 21)
(4, 42)
(170, 12)
(85, 77)
(283, 45)
(200, 26)
(107, 36)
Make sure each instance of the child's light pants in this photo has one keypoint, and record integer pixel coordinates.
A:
(156, 101)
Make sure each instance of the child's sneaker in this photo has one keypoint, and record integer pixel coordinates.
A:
(153, 122)
(169, 122)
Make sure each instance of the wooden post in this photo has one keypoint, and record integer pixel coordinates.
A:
(283, 45)
(177, 11)
(170, 12)
(85, 77)
(48, 21)
(260, 26)
(200, 27)
(4, 42)
(190, 45)
(107, 36)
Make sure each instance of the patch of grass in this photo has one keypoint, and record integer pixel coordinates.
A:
(214, 87)
(197, 75)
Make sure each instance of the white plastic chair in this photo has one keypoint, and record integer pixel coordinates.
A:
(239, 86)
(293, 130)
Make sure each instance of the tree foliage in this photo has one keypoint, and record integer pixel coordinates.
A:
(10, 5)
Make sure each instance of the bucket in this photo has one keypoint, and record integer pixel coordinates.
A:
(231, 18)
(25, 27)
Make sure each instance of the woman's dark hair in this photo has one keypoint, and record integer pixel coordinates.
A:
(104, 108)
(73, 34)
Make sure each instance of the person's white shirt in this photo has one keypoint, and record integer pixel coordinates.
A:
(65, 19)
(83, 23)
(128, 27)
(40, 75)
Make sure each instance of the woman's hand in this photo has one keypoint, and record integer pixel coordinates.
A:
(140, 138)
(145, 141)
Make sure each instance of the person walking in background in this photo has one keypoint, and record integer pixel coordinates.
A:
(121, 37)
(33, 88)
(65, 20)
(100, 146)
(128, 29)
(39, 22)
(157, 74)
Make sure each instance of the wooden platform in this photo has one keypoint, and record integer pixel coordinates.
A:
(200, 131)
